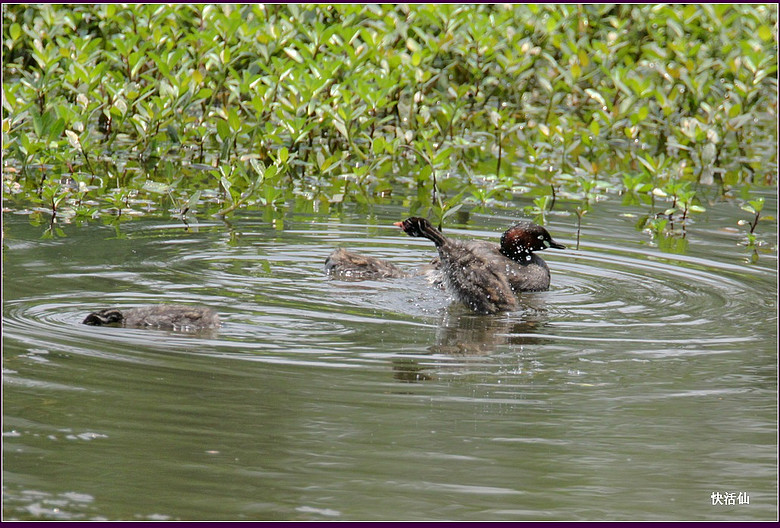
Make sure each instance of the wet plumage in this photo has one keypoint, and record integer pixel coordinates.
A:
(484, 276)
(348, 265)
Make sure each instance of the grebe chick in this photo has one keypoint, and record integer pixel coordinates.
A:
(348, 265)
(163, 316)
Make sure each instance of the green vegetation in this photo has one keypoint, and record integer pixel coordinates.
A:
(111, 110)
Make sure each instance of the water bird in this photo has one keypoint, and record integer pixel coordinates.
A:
(162, 316)
(349, 265)
(483, 276)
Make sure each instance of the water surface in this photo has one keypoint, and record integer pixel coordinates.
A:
(639, 385)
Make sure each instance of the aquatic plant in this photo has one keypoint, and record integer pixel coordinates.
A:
(219, 107)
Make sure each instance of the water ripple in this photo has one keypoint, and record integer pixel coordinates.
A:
(277, 305)
(317, 390)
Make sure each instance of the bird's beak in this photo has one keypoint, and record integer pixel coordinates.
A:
(556, 245)
(398, 224)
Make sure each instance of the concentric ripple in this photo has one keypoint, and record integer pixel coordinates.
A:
(635, 366)
(277, 304)
(644, 297)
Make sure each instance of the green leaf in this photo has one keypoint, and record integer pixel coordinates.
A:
(233, 120)
(56, 129)
(156, 187)
(442, 156)
(223, 129)
(193, 201)
(330, 163)
(378, 145)
(425, 173)
(294, 54)
(546, 83)
(38, 124)
(173, 135)
(576, 71)
(596, 96)
(27, 147)
(451, 211)
(121, 106)
(758, 204)
(339, 124)
(257, 166)
(284, 155)
(270, 172)
(226, 185)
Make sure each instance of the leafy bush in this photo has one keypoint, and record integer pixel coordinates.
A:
(217, 107)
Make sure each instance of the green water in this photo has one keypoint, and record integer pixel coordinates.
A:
(639, 385)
